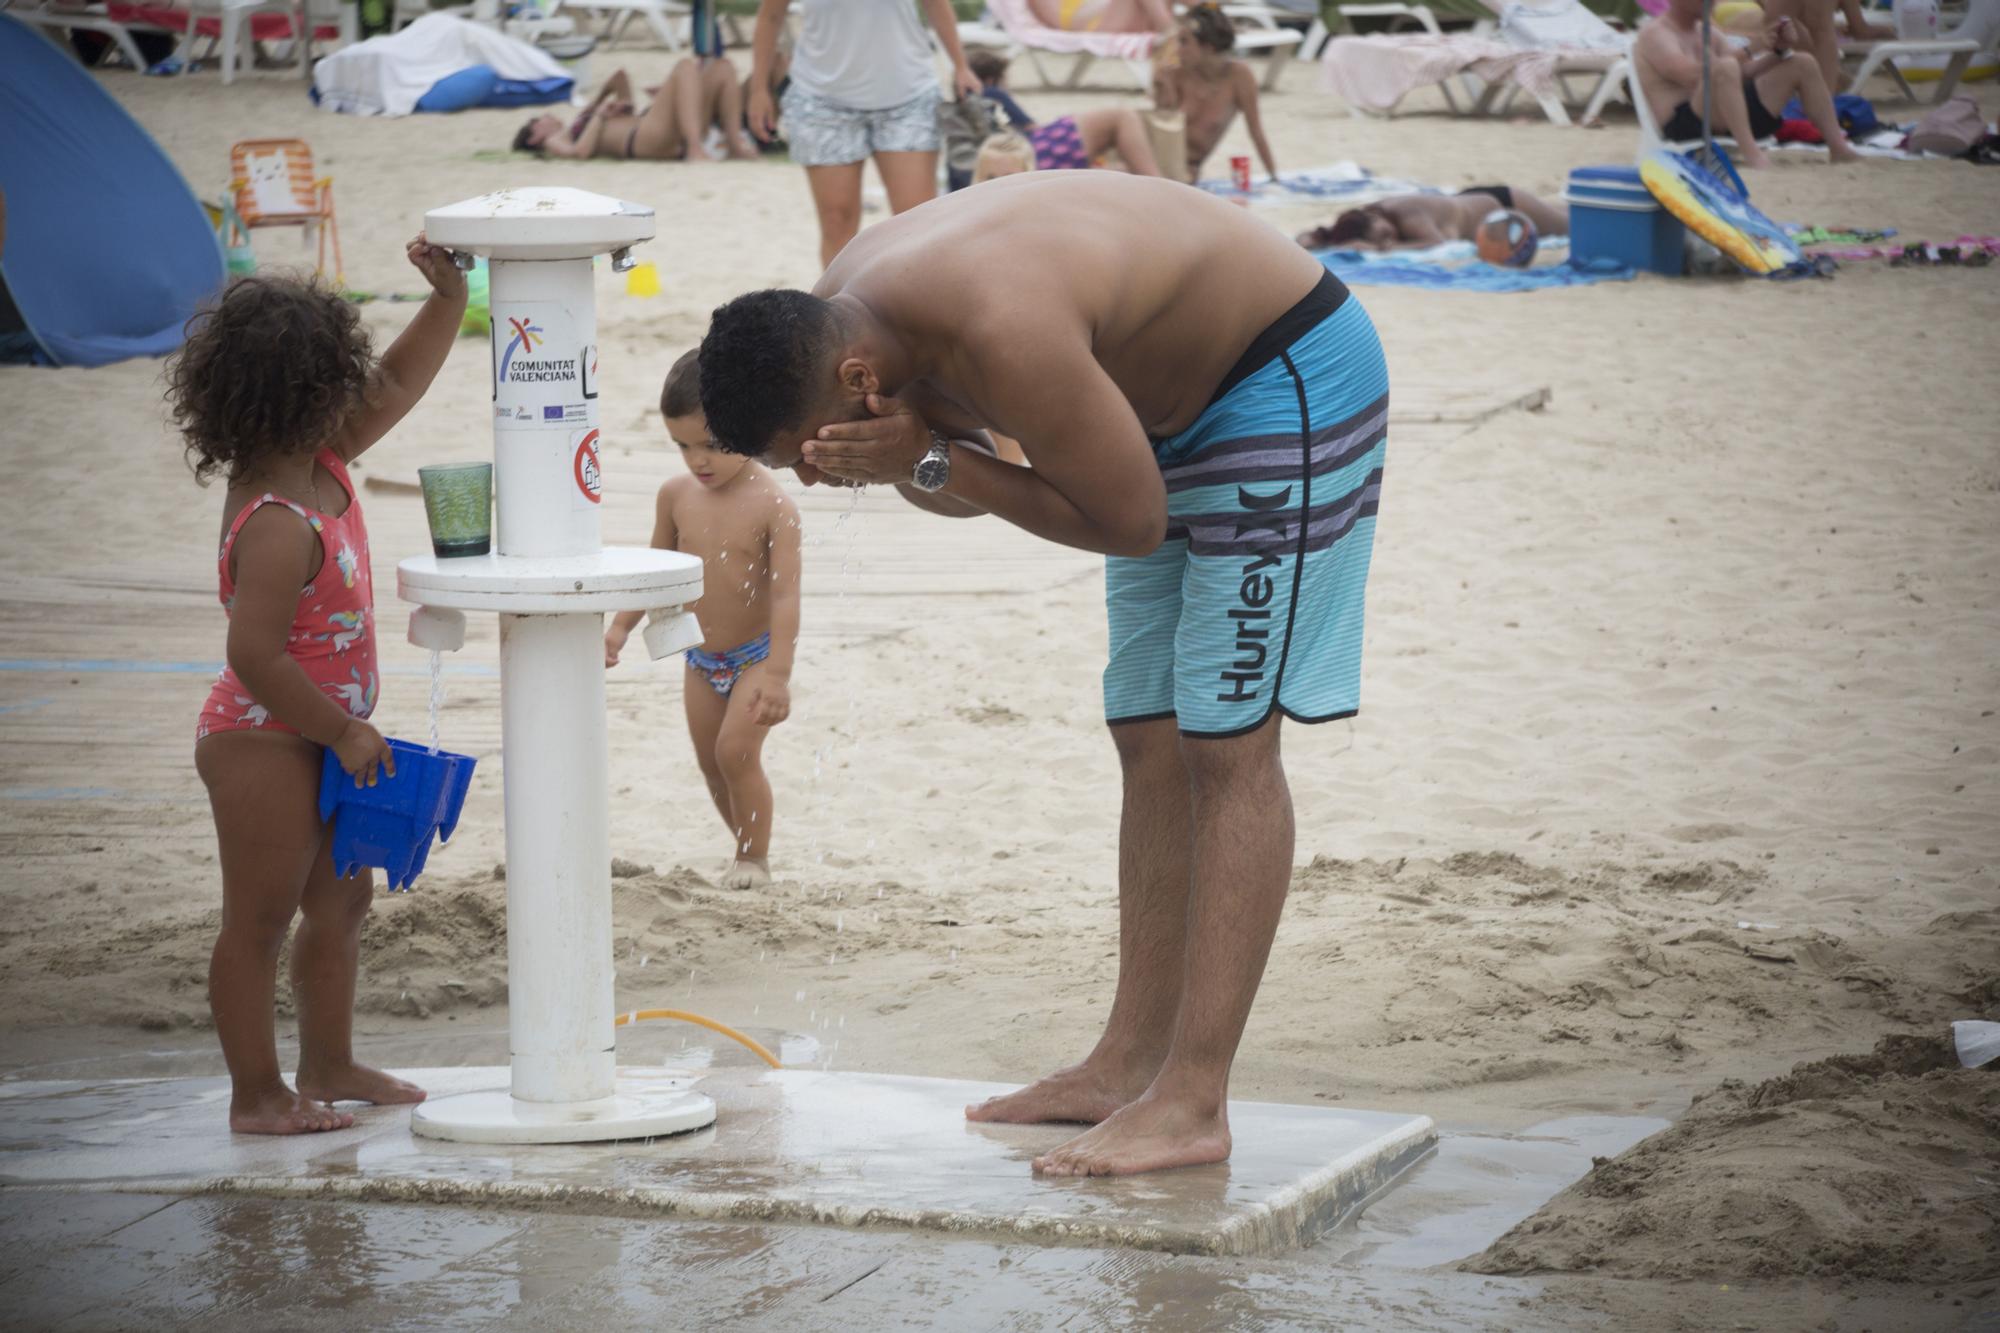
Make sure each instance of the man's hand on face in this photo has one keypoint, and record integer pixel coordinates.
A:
(881, 450)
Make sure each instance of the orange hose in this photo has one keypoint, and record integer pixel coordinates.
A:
(682, 1016)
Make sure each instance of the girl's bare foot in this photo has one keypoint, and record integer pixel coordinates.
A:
(1755, 158)
(741, 148)
(1152, 1134)
(1081, 1094)
(357, 1083)
(747, 873)
(1845, 153)
(282, 1111)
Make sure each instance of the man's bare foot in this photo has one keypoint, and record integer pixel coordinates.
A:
(747, 873)
(357, 1083)
(283, 1111)
(1082, 1094)
(1151, 1134)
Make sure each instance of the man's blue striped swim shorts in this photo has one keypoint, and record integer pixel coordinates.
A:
(1254, 600)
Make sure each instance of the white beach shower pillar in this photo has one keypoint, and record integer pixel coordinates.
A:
(551, 580)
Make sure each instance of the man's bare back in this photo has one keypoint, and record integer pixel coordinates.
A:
(1162, 285)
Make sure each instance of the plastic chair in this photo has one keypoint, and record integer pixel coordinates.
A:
(273, 185)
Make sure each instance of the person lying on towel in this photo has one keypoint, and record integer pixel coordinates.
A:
(1419, 221)
(696, 95)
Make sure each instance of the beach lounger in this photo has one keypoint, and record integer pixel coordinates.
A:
(668, 19)
(1260, 29)
(272, 184)
(57, 19)
(1877, 56)
(231, 27)
(1035, 39)
(1533, 49)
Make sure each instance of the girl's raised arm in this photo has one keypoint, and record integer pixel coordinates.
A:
(413, 360)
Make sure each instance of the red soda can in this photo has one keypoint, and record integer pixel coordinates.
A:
(1239, 171)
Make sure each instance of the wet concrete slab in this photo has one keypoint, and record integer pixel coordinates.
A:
(863, 1151)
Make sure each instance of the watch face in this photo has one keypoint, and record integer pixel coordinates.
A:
(932, 473)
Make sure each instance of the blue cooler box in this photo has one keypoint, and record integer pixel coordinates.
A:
(1612, 215)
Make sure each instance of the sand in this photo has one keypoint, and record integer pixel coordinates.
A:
(1851, 1168)
(1678, 759)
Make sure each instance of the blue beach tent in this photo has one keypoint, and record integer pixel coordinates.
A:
(107, 251)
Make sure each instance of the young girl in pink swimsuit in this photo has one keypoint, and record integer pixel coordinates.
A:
(278, 390)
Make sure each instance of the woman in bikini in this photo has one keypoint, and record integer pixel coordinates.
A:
(697, 94)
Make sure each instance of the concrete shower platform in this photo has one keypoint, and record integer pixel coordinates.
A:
(791, 1146)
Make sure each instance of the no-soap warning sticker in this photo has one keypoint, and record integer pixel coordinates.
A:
(587, 468)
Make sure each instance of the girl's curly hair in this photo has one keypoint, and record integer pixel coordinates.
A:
(276, 366)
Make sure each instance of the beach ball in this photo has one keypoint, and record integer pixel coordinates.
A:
(1506, 237)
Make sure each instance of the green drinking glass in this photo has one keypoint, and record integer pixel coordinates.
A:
(458, 501)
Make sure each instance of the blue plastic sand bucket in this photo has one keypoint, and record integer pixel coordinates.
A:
(390, 825)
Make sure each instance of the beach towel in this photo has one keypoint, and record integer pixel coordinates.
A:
(1404, 268)
(385, 76)
(1348, 182)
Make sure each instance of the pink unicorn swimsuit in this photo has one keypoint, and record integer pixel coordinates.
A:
(333, 630)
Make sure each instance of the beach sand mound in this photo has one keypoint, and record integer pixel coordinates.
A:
(1873, 1167)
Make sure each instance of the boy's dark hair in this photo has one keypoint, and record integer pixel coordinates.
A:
(1212, 28)
(276, 366)
(989, 67)
(524, 139)
(1352, 225)
(681, 395)
(762, 363)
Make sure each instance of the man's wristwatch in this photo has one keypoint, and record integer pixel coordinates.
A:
(933, 470)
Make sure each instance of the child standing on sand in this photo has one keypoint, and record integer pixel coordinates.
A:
(278, 390)
(729, 511)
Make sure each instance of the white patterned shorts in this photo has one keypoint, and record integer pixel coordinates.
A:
(827, 134)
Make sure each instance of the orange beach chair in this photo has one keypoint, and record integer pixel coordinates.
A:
(274, 185)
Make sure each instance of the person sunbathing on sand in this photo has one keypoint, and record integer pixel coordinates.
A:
(1419, 221)
(1200, 80)
(1749, 92)
(696, 95)
(1204, 404)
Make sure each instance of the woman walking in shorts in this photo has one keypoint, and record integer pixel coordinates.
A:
(862, 86)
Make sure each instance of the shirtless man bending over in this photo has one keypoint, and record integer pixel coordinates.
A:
(1749, 92)
(1205, 405)
(1418, 221)
(1209, 88)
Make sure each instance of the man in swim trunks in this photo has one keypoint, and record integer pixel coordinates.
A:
(1205, 405)
(1748, 91)
(1418, 221)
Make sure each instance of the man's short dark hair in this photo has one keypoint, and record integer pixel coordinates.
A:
(989, 67)
(763, 364)
(681, 395)
(1353, 225)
